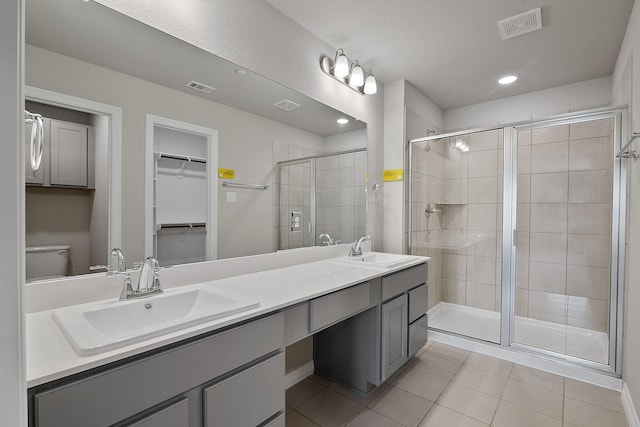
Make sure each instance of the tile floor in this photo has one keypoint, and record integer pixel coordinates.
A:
(446, 386)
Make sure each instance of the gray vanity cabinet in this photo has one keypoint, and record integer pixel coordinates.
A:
(229, 378)
(394, 335)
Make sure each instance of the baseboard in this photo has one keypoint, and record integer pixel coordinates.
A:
(297, 375)
(629, 407)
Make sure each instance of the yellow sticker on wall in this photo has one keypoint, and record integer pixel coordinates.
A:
(226, 173)
(393, 175)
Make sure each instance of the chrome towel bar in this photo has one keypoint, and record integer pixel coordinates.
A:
(240, 185)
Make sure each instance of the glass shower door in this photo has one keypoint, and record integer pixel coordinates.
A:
(457, 220)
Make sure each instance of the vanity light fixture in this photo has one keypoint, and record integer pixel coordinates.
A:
(351, 74)
(508, 79)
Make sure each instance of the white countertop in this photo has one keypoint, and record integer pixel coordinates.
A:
(51, 357)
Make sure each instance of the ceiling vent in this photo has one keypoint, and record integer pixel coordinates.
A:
(200, 86)
(520, 24)
(287, 105)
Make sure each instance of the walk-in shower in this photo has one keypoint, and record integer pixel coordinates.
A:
(321, 199)
(523, 225)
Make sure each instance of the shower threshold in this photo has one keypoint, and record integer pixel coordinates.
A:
(485, 325)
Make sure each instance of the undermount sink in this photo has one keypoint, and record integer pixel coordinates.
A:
(378, 259)
(101, 326)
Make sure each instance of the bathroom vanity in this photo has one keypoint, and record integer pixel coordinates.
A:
(367, 320)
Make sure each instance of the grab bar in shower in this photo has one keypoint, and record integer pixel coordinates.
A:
(249, 186)
(625, 153)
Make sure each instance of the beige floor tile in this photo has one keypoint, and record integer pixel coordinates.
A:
(583, 414)
(295, 419)
(534, 398)
(369, 418)
(301, 392)
(437, 366)
(320, 380)
(477, 379)
(469, 402)
(401, 406)
(287, 409)
(448, 352)
(489, 364)
(439, 416)
(538, 378)
(599, 396)
(329, 408)
(357, 397)
(510, 415)
(422, 384)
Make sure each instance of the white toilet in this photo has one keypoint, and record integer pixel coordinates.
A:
(47, 262)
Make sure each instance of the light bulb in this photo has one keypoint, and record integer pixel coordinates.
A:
(341, 68)
(357, 76)
(370, 85)
(507, 80)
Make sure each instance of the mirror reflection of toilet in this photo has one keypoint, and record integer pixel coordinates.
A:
(47, 262)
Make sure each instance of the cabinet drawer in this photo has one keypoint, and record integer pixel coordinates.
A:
(176, 415)
(402, 281)
(121, 392)
(418, 302)
(417, 335)
(248, 398)
(337, 306)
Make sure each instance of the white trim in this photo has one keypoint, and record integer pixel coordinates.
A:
(115, 150)
(211, 136)
(629, 407)
(564, 369)
(297, 375)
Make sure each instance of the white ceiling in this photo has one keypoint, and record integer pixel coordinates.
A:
(451, 50)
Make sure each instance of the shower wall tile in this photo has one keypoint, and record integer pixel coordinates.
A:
(589, 250)
(549, 217)
(296, 174)
(482, 216)
(481, 295)
(524, 137)
(547, 306)
(360, 158)
(360, 175)
(592, 129)
(588, 313)
(347, 233)
(331, 197)
(548, 247)
(347, 215)
(552, 157)
(524, 159)
(590, 154)
(454, 217)
(523, 215)
(524, 188)
(347, 176)
(455, 191)
(592, 282)
(483, 163)
(550, 134)
(591, 186)
(330, 162)
(482, 244)
(434, 294)
(522, 274)
(346, 160)
(483, 190)
(486, 140)
(590, 218)
(435, 165)
(435, 190)
(347, 196)
(523, 243)
(454, 266)
(548, 277)
(455, 165)
(296, 195)
(481, 270)
(549, 188)
(522, 303)
(454, 291)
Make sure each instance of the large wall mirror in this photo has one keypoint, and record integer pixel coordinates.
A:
(105, 82)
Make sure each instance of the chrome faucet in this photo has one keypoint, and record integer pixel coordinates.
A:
(119, 268)
(149, 281)
(356, 247)
(327, 242)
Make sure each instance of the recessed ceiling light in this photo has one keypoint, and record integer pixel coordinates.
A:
(507, 80)
(342, 121)
(241, 72)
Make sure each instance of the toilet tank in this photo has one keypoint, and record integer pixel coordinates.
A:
(47, 262)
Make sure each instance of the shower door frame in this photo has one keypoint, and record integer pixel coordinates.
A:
(618, 230)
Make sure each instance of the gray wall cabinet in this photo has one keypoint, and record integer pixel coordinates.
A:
(230, 378)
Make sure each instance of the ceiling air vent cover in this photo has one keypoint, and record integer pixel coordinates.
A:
(200, 86)
(287, 105)
(520, 24)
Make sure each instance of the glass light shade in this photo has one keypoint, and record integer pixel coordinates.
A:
(370, 85)
(357, 76)
(341, 67)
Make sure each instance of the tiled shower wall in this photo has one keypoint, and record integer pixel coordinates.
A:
(340, 196)
(563, 250)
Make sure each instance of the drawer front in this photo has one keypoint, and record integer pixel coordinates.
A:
(417, 335)
(400, 282)
(248, 398)
(418, 299)
(337, 306)
(296, 323)
(176, 415)
(119, 393)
